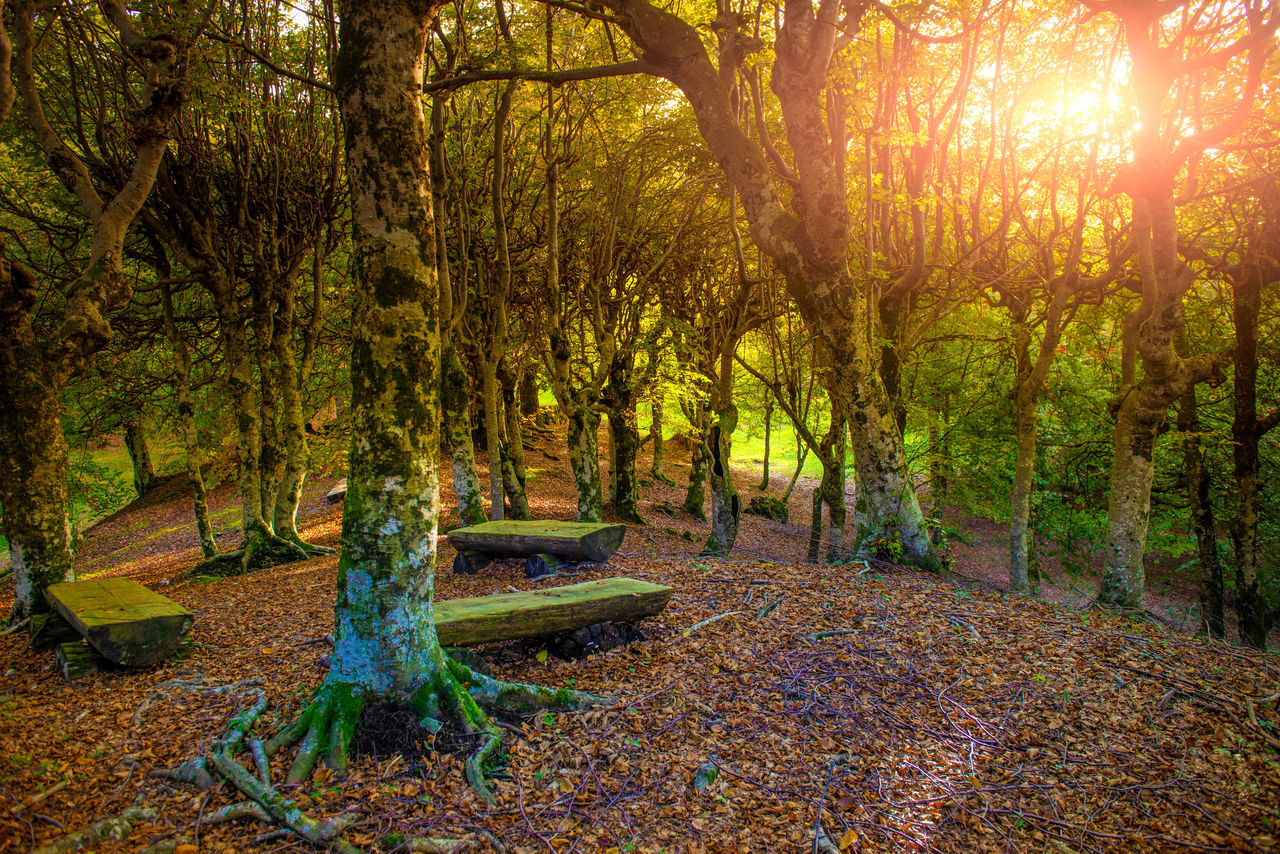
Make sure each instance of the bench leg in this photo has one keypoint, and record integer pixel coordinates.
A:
(469, 563)
(540, 565)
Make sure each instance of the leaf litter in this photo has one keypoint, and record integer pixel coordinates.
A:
(774, 706)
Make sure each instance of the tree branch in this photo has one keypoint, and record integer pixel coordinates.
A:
(555, 78)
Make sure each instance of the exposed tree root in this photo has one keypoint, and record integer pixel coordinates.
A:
(261, 548)
(453, 695)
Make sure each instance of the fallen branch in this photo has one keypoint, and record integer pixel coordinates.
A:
(708, 621)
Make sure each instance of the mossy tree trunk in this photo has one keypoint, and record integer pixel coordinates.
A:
(386, 648)
(625, 437)
(293, 422)
(584, 460)
(135, 441)
(832, 450)
(513, 464)
(1150, 330)
(695, 496)
(456, 399)
(529, 391)
(36, 367)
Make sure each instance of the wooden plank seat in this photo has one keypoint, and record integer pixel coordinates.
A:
(124, 622)
(538, 613)
(545, 544)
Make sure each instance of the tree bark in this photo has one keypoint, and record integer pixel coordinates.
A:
(35, 369)
(456, 400)
(625, 439)
(33, 478)
(529, 392)
(725, 505)
(584, 459)
(135, 441)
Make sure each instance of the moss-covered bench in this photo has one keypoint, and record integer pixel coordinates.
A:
(541, 613)
(120, 621)
(546, 545)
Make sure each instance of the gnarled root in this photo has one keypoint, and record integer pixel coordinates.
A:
(453, 694)
(261, 548)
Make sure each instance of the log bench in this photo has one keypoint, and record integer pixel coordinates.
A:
(546, 545)
(121, 622)
(537, 613)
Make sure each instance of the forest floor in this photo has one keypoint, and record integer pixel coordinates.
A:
(872, 708)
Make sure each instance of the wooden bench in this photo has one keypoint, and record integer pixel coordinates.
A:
(122, 622)
(538, 613)
(545, 544)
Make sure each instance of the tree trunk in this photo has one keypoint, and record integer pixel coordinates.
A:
(815, 528)
(886, 510)
(386, 648)
(492, 436)
(768, 430)
(802, 454)
(584, 459)
(832, 487)
(529, 392)
(696, 494)
(1251, 609)
(135, 441)
(1203, 525)
(725, 504)
(293, 426)
(513, 465)
(625, 441)
(1024, 576)
(271, 461)
(456, 400)
(657, 426)
(33, 481)
(187, 424)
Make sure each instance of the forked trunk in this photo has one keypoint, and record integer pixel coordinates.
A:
(725, 504)
(293, 426)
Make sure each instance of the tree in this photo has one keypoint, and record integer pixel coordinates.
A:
(36, 364)
(810, 242)
(1170, 55)
(386, 650)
